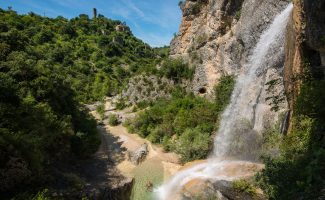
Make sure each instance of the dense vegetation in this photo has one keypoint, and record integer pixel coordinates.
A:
(185, 123)
(176, 70)
(48, 67)
(298, 172)
(95, 56)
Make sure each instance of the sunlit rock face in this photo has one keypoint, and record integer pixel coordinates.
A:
(218, 39)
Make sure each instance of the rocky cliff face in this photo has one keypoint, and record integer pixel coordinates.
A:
(218, 37)
(305, 45)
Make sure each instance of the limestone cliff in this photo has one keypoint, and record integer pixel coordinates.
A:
(218, 37)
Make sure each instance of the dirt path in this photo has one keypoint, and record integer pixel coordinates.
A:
(131, 142)
(157, 167)
(117, 141)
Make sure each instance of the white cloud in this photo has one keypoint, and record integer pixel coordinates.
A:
(133, 7)
(155, 39)
(44, 10)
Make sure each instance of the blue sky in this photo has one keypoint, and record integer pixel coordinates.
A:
(153, 21)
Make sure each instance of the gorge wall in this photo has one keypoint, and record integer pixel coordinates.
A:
(217, 37)
(305, 45)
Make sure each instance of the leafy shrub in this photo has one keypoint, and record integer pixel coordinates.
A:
(121, 104)
(244, 186)
(223, 91)
(238, 14)
(201, 39)
(42, 195)
(113, 120)
(74, 181)
(271, 144)
(143, 104)
(237, 7)
(176, 69)
(193, 144)
(196, 8)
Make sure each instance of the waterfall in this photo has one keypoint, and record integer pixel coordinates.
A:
(241, 123)
(242, 116)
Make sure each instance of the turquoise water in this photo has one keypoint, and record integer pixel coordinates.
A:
(149, 172)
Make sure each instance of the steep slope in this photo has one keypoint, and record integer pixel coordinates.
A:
(96, 55)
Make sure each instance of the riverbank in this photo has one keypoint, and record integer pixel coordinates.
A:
(157, 167)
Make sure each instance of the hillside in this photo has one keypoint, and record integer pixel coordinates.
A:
(48, 68)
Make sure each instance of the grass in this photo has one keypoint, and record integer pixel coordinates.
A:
(113, 120)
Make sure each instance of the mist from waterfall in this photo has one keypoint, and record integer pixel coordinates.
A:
(241, 123)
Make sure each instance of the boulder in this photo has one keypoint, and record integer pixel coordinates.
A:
(138, 155)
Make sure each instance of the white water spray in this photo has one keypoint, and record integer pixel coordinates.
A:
(241, 122)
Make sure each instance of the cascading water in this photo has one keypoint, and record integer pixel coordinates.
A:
(241, 123)
(242, 115)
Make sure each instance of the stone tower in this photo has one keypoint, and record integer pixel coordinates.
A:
(95, 13)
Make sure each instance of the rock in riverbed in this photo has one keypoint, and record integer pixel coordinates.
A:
(138, 155)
